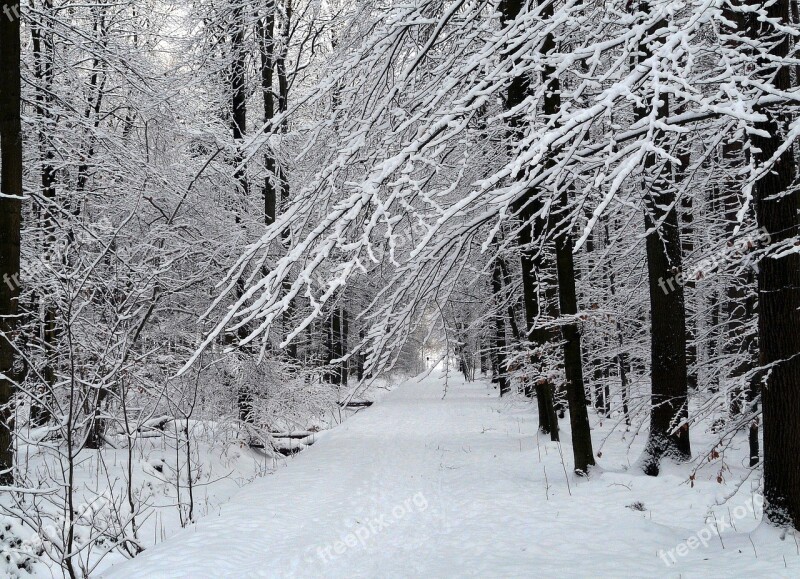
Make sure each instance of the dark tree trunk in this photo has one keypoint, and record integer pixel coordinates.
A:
(265, 30)
(753, 391)
(669, 430)
(333, 346)
(97, 426)
(239, 95)
(573, 366)
(778, 279)
(532, 265)
(360, 357)
(753, 442)
(532, 258)
(511, 309)
(283, 179)
(715, 307)
(97, 83)
(583, 454)
(10, 219)
(485, 366)
(344, 366)
(499, 331)
(551, 309)
(687, 248)
(238, 85)
(327, 348)
(283, 79)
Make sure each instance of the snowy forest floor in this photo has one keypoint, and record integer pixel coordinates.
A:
(422, 485)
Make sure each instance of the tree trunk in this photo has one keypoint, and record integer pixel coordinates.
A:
(669, 430)
(484, 357)
(573, 366)
(10, 220)
(778, 279)
(239, 95)
(344, 366)
(686, 220)
(97, 425)
(511, 310)
(583, 454)
(499, 331)
(531, 260)
(360, 357)
(283, 180)
(238, 86)
(94, 105)
(265, 30)
(532, 265)
(333, 346)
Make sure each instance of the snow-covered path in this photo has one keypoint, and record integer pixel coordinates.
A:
(418, 486)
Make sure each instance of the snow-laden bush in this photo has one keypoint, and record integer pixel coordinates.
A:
(18, 549)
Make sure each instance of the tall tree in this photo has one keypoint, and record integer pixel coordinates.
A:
(10, 219)
(583, 454)
(265, 31)
(529, 207)
(238, 88)
(499, 349)
(669, 431)
(776, 202)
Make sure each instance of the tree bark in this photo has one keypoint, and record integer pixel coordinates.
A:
(360, 357)
(499, 330)
(283, 180)
(336, 345)
(778, 278)
(583, 454)
(238, 86)
(344, 367)
(686, 220)
(265, 30)
(573, 366)
(669, 430)
(532, 260)
(239, 95)
(10, 220)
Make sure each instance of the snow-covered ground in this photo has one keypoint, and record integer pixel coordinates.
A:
(425, 484)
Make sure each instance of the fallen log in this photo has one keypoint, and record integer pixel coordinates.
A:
(356, 404)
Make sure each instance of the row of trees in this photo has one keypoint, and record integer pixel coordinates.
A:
(584, 177)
